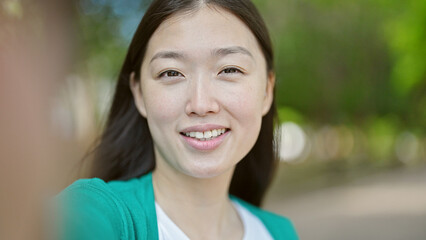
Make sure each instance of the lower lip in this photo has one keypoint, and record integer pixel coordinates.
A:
(205, 145)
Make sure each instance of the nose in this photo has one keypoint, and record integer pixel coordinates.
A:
(201, 98)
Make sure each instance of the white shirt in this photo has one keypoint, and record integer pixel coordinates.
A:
(253, 227)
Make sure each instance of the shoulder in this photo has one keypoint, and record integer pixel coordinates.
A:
(87, 186)
(91, 209)
(280, 227)
(116, 192)
(117, 209)
(88, 192)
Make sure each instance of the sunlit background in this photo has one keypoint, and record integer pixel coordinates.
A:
(351, 97)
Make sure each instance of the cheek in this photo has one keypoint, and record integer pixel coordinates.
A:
(162, 104)
(245, 106)
(245, 102)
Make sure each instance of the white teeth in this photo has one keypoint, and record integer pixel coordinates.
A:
(199, 135)
(207, 135)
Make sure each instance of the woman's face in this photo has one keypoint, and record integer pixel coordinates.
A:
(203, 73)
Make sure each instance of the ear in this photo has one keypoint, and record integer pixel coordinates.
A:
(135, 87)
(269, 93)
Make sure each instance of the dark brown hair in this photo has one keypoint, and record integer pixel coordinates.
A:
(126, 148)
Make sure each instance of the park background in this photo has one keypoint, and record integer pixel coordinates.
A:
(351, 96)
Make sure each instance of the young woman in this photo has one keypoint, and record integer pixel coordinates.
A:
(188, 149)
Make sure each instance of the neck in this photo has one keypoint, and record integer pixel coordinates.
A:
(199, 206)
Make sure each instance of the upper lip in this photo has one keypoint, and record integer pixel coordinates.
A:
(202, 128)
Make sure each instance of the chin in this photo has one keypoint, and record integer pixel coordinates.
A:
(206, 170)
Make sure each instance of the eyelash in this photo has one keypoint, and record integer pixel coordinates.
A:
(236, 70)
(165, 73)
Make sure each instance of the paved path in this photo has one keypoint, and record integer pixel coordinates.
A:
(389, 206)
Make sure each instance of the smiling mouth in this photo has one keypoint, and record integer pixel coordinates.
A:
(206, 135)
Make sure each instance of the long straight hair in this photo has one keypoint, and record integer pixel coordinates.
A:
(125, 149)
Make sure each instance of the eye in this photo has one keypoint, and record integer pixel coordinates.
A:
(231, 70)
(170, 73)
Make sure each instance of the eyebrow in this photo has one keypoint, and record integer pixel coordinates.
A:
(219, 52)
(168, 54)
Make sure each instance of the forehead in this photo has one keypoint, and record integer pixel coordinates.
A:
(202, 30)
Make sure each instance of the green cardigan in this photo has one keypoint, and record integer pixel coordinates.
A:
(125, 210)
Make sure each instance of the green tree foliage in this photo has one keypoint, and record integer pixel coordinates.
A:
(406, 32)
(345, 61)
